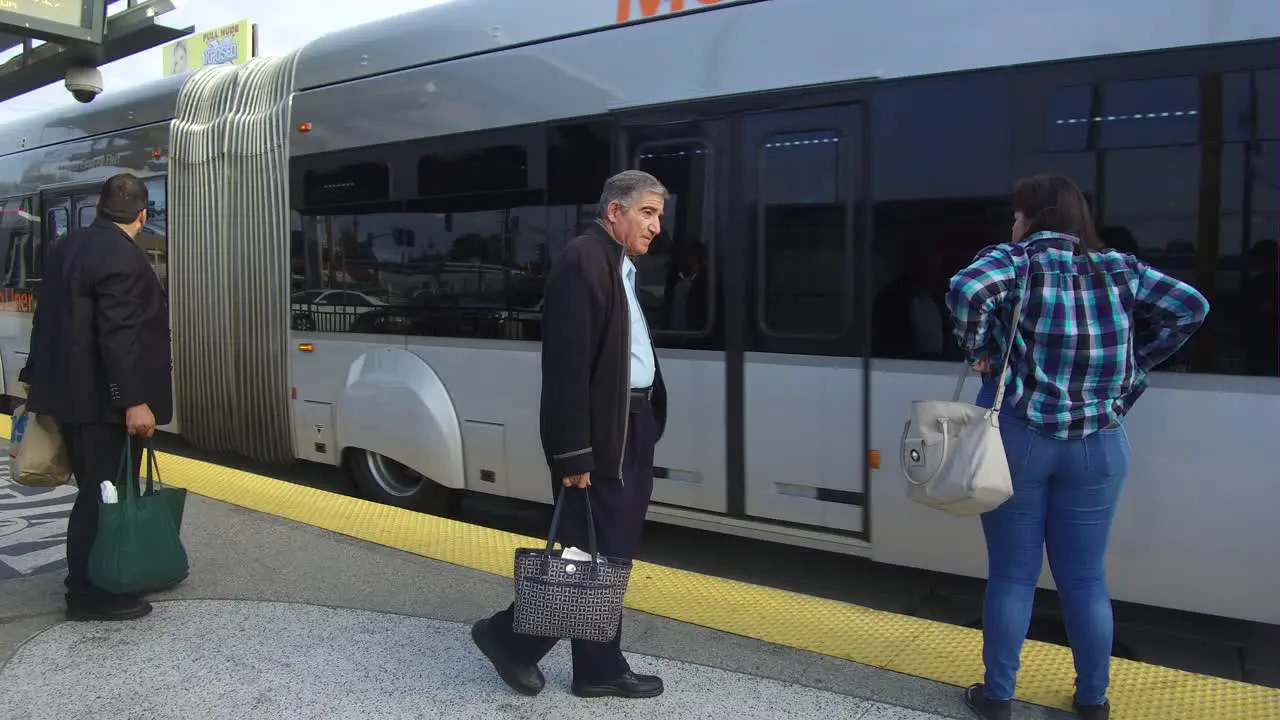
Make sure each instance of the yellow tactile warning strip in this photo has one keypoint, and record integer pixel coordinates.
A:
(913, 646)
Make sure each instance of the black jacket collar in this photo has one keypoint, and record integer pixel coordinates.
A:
(100, 223)
(596, 231)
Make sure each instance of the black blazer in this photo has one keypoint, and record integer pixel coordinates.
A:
(586, 360)
(100, 336)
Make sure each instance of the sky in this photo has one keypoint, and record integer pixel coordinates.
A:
(282, 26)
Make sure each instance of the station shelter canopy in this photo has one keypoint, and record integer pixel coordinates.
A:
(74, 33)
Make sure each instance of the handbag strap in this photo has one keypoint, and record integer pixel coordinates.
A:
(591, 524)
(153, 468)
(125, 473)
(1008, 350)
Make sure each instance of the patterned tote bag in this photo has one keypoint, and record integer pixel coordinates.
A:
(566, 598)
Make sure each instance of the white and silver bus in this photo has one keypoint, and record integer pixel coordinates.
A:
(355, 236)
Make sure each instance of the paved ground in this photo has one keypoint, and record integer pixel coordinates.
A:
(1231, 649)
(285, 620)
(33, 526)
(286, 660)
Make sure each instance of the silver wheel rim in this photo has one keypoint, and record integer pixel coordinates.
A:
(394, 479)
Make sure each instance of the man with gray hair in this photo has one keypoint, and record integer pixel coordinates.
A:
(603, 411)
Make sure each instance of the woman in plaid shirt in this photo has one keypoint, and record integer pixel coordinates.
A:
(1095, 323)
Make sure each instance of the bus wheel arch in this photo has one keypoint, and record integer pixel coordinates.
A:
(399, 432)
(390, 482)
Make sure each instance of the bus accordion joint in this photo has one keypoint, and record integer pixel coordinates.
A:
(873, 459)
(306, 347)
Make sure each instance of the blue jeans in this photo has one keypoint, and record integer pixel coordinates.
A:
(1064, 499)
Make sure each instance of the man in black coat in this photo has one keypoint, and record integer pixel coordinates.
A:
(603, 411)
(100, 365)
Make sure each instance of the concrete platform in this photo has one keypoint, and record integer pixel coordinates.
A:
(281, 619)
(237, 659)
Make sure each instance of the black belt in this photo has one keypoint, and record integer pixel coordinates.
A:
(639, 399)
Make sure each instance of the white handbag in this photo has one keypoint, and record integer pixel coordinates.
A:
(952, 454)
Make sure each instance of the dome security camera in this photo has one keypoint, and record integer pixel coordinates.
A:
(84, 83)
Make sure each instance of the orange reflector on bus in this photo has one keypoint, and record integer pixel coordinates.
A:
(293, 393)
(306, 347)
(873, 459)
(304, 127)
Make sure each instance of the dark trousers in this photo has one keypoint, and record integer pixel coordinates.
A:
(619, 508)
(95, 451)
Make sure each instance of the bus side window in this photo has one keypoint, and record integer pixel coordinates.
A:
(674, 285)
(154, 238)
(20, 231)
(57, 225)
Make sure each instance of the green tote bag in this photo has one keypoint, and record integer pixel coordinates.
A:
(138, 547)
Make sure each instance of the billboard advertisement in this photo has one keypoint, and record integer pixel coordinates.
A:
(231, 44)
(54, 20)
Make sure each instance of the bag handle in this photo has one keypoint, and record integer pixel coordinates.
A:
(153, 468)
(591, 524)
(125, 472)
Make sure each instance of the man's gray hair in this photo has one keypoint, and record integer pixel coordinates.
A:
(628, 185)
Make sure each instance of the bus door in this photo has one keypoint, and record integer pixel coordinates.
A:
(86, 209)
(678, 286)
(57, 223)
(62, 214)
(803, 377)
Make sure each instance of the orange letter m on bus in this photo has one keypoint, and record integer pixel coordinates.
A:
(650, 8)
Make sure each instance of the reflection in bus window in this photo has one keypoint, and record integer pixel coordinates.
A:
(86, 215)
(941, 191)
(1266, 87)
(578, 163)
(20, 234)
(1147, 113)
(803, 218)
(1259, 322)
(674, 276)
(462, 267)
(154, 238)
(1070, 118)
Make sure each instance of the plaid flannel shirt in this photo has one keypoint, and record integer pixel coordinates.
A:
(1084, 347)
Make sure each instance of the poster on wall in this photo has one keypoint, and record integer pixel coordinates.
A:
(231, 44)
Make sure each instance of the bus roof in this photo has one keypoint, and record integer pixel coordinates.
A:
(891, 40)
(1037, 30)
(459, 28)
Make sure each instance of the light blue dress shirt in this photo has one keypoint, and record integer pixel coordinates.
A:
(642, 364)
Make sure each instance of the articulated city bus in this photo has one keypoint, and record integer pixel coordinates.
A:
(355, 237)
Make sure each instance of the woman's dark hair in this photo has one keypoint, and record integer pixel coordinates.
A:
(1055, 204)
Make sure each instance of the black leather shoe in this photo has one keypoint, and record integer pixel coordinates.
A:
(630, 685)
(114, 609)
(1092, 712)
(984, 708)
(524, 679)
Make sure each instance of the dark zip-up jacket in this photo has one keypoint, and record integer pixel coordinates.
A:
(586, 360)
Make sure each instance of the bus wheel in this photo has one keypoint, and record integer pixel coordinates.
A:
(384, 480)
